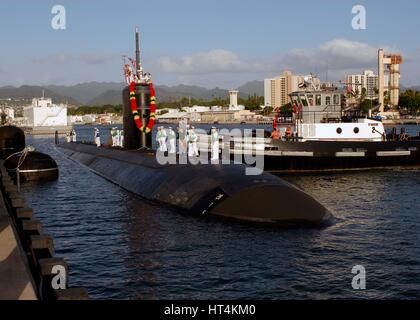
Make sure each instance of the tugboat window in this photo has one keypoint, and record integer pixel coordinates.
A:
(328, 100)
(356, 130)
(311, 100)
(339, 130)
(336, 99)
(318, 99)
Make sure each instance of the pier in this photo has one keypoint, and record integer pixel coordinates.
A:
(15, 276)
(27, 263)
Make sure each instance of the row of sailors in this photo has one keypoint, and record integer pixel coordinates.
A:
(116, 137)
(71, 136)
(166, 140)
(187, 141)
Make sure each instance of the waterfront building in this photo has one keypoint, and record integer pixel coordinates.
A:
(43, 113)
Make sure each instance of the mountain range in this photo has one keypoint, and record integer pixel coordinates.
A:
(100, 93)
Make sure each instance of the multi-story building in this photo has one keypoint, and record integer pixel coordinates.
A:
(277, 90)
(367, 80)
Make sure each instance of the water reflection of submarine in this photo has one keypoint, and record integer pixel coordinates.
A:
(219, 190)
(32, 165)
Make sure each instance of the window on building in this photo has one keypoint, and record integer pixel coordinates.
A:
(318, 99)
(336, 99)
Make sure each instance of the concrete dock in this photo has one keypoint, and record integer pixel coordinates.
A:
(27, 254)
(16, 281)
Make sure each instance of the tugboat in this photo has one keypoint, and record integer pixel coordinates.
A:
(321, 135)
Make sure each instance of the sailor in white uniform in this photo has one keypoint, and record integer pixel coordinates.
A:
(172, 141)
(214, 144)
(163, 138)
(97, 138)
(74, 136)
(68, 137)
(158, 136)
(121, 140)
(192, 143)
(114, 134)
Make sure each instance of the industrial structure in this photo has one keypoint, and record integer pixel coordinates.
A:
(233, 95)
(392, 61)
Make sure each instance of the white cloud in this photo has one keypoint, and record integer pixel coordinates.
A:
(211, 62)
(337, 55)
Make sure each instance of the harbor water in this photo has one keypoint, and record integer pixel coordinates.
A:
(119, 246)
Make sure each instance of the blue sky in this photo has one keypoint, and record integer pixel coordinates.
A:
(208, 43)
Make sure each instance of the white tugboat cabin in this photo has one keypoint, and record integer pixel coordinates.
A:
(318, 116)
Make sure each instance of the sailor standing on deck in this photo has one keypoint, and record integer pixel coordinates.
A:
(181, 141)
(74, 135)
(117, 137)
(68, 137)
(121, 142)
(97, 138)
(172, 141)
(163, 140)
(214, 144)
(158, 136)
(192, 143)
(114, 136)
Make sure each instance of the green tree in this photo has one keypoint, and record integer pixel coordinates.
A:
(365, 105)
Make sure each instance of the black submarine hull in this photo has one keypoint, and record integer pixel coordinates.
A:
(214, 190)
(34, 166)
(12, 140)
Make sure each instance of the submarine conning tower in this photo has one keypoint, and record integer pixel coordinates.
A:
(134, 138)
(137, 99)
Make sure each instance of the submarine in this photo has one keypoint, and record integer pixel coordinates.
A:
(31, 165)
(213, 190)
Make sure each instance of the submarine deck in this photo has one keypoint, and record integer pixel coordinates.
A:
(200, 189)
